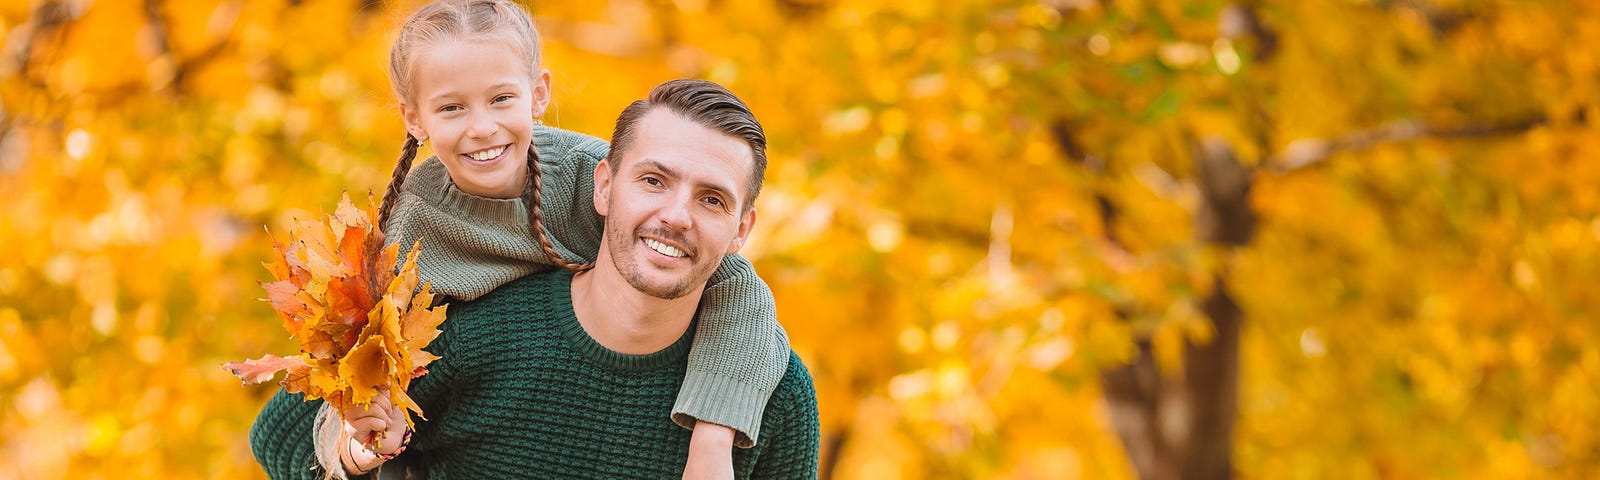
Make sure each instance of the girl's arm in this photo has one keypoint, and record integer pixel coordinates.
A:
(282, 437)
(738, 356)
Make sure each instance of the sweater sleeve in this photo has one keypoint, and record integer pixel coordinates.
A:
(282, 437)
(738, 356)
(792, 450)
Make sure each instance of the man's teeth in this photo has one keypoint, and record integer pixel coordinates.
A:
(663, 248)
(487, 154)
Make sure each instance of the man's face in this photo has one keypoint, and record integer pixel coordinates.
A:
(673, 204)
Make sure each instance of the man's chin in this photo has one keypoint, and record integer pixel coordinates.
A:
(660, 288)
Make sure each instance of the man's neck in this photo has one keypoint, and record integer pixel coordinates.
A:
(625, 320)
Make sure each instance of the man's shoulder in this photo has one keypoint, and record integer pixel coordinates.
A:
(796, 392)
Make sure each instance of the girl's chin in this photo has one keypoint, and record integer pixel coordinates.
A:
(497, 191)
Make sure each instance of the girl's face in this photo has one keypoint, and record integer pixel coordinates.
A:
(474, 100)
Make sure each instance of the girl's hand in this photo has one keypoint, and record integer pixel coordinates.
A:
(710, 453)
(377, 429)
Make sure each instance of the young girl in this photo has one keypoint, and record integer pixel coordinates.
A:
(480, 209)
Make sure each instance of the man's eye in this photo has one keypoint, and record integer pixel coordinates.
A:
(652, 181)
(714, 201)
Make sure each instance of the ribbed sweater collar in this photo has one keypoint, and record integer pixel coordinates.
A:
(432, 183)
(558, 291)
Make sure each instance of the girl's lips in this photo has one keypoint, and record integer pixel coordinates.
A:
(488, 154)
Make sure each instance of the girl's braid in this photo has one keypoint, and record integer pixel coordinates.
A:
(536, 218)
(391, 196)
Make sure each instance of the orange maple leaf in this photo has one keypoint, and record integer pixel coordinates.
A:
(361, 323)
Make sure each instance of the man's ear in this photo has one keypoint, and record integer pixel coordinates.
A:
(602, 187)
(413, 127)
(747, 222)
(541, 94)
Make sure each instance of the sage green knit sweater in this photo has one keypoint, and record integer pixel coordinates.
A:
(522, 391)
(472, 244)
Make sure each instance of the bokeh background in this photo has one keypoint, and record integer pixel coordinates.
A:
(1045, 239)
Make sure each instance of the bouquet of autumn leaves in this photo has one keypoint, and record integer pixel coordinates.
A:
(361, 325)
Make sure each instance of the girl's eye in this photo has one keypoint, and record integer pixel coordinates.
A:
(503, 98)
(450, 108)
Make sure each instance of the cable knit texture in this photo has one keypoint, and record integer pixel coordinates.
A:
(523, 392)
(472, 244)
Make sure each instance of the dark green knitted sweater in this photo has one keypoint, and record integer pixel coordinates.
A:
(523, 392)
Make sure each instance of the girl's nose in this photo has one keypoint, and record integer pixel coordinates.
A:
(482, 126)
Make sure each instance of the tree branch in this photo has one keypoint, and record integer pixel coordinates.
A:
(46, 19)
(831, 446)
(1441, 21)
(1240, 20)
(181, 68)
(1310, 152)
(1061, 131)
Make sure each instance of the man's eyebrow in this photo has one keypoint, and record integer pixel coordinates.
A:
(657, 166)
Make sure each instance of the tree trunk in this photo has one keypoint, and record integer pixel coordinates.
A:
(1179, 425)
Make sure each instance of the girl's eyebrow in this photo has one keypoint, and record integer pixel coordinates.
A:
(452, 93)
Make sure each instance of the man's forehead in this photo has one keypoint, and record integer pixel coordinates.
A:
(668, 138)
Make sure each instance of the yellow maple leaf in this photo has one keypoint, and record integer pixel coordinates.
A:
(361, 322)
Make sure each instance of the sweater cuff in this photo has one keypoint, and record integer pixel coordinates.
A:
(723, 401)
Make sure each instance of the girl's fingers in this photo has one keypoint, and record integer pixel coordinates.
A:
(368, 424)
(396, 411)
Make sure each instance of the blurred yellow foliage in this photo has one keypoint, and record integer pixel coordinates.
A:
(937, 229)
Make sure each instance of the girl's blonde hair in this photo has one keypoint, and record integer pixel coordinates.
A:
(471, 20)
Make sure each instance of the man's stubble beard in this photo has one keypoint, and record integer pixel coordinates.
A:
(622, 256)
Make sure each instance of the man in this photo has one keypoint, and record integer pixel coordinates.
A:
(560, 375)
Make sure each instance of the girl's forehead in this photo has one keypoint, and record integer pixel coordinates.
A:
(478, 45)
(451, 60)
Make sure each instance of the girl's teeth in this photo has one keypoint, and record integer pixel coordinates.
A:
(487, 154)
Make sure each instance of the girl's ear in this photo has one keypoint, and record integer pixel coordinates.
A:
(413, 127)
(541, 94)
(602, 187)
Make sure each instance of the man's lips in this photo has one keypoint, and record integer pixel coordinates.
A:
(665, 249)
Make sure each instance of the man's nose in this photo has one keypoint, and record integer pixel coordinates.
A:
(675, 214)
